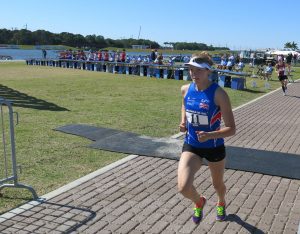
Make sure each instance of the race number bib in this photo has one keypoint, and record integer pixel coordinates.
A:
(196, 119)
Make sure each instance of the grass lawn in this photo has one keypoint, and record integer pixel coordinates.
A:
(47, 97)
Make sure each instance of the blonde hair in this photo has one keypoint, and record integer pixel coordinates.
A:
(203, 57)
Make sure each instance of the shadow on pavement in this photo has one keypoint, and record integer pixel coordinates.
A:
(292, 96)
(247, 226)
(77, 215)
(23, 100)
(47, 217)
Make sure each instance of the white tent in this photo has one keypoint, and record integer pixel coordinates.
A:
(283, 52)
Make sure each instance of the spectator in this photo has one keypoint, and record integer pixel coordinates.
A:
(240, 66)
(139, 59)
(44, 53)
(106, 55)
(123, 56)
(90, 56)
(117, 56)
(112, 56)
(152, 56)
(268, 72)
(99, 55)
(295, 57)
(186, 59)
(229, 65)
(223, 62)
(289, 58)
(156, 53)
(160, 59)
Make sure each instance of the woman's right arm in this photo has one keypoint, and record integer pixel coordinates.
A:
(182, 125)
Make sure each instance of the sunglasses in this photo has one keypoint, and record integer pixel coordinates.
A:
(199, 60)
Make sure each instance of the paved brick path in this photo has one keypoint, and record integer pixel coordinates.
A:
(272, 123)
(139, 195)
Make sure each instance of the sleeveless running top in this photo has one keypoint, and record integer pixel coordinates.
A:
(281, 69)
(202, 115)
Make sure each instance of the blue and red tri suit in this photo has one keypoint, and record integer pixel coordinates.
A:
(202, 114)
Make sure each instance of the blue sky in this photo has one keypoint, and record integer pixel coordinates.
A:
(237, 24)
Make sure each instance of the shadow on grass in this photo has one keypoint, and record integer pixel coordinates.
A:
(23, 100)
(250, 228)
(252, 91)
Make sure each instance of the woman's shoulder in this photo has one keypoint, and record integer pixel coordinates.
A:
(184, 89)
(220, 95)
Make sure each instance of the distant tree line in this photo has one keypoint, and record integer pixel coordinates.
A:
(193, 46)
(42, 37)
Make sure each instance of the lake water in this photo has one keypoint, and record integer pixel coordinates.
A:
(19, 54)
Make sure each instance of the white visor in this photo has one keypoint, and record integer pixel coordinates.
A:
(193, 62)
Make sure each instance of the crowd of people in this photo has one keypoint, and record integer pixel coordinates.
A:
(154, 57)
(232, 63)
(282, 64)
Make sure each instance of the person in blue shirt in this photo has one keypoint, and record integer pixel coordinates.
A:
(268, 72)
(240, 66)
(44, 53)
(204, 103)
(223, 61)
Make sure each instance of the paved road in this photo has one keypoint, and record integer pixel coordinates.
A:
(138, 194)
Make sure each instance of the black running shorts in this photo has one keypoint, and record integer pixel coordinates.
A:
(281, 78)
(210, 154)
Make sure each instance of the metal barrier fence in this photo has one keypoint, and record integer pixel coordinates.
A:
(176, 72)
(8, 164)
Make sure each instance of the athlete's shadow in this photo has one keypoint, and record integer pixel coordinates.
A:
(250, 228)
(292, 96)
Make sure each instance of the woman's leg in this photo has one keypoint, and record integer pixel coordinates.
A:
(189, 164)
(285, 81)
(217, 174)
(282, 85)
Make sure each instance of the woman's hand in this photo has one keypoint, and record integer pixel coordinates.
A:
(182, 127)
(203, 136)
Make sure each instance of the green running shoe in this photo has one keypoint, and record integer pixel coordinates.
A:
(221, 213)
(198, 212)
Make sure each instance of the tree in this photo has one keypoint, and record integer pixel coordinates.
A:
(288, 45)
(100, 42)
(294, 46)
(79, 40)
(291, 45)
(67, 38)
(42, 37)
(5, 36)
(22, 37)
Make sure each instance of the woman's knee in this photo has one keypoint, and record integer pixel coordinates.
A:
(184, 188)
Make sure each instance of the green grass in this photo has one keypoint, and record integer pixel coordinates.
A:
(47, 97)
